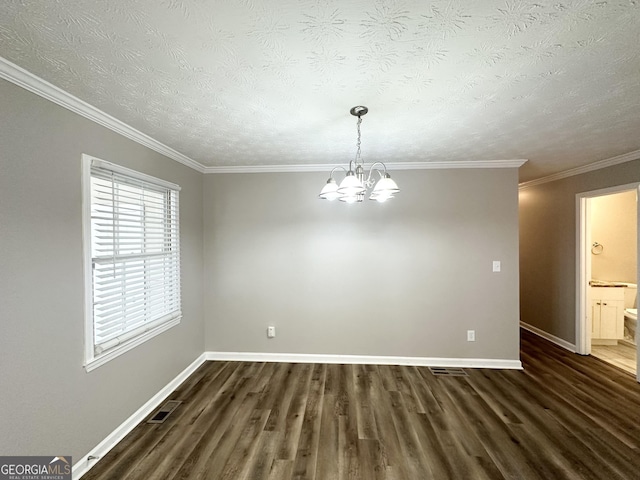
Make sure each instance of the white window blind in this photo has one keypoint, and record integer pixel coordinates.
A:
(135, 255)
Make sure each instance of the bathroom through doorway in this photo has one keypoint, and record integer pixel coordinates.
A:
(607, 275)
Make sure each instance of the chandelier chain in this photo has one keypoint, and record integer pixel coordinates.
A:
(356, 183)
(358, 143)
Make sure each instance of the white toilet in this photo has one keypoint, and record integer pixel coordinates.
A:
(630, 312)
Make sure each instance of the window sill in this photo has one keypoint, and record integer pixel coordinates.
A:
(95, 362)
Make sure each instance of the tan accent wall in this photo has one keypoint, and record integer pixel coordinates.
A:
(614, 226)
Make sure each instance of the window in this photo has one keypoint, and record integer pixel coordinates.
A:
(132, 259)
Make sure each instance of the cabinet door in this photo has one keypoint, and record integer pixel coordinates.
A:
(619, 306)
(611, 319)
(608, 319)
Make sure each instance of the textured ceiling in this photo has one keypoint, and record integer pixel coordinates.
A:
(271, 82)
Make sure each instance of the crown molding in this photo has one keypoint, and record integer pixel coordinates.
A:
(609, 162)
(27, 80)
(390, 166)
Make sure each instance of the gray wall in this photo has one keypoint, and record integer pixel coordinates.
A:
(548, 246)
(48, 403)
(404, 278)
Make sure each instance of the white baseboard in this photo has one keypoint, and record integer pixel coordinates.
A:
(547, 336)
(365, 359)
(84, 465)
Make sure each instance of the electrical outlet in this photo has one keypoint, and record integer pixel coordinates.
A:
(496, 265)
(271, 331)
(471, 335)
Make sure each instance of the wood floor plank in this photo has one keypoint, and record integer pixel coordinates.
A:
(363, 398)
(244, 419)
(446, 455)
(390, 448)
(304, 467)
(281, 469)
(405, 387)
(204, 436)
(572, 432)
(465, 436)
(295, 414)
(412, 452)
(564, 417)
(564, 449)
(498, 443)
(264, 456)
(276, 395)
(328, 454)
(244, 452)
(589, 396)
(370, 459)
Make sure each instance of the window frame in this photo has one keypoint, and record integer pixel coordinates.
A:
(92, 359)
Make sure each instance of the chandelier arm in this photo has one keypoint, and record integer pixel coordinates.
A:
(336, 168)
(379, 163)
(371, 170)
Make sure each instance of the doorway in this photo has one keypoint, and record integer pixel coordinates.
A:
(602, 279)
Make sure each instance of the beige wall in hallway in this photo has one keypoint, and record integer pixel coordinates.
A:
(548, 246)
(614, 225)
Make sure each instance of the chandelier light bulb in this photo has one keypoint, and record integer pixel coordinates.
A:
(385, 186)
(351, 185)
(349, 198)
(330, 190)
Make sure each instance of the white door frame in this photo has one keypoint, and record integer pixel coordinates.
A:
(583, 263)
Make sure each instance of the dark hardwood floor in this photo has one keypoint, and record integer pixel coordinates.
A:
(564, 417)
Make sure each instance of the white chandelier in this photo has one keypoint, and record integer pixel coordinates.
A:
(354, 186)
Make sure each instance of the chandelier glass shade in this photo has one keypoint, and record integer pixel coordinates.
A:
(355, 185)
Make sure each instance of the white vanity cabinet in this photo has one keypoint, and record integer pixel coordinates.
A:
(607, 315)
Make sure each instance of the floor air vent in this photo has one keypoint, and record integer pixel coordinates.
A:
(162, 414)
(448, 372)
